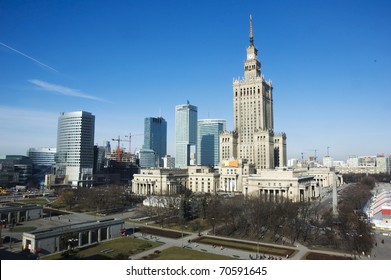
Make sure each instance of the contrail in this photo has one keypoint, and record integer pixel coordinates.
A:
(29, 57)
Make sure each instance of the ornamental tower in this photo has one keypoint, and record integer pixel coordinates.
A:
(253, 114)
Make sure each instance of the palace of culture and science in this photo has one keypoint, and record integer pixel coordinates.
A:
(253, 137)
(253, 159)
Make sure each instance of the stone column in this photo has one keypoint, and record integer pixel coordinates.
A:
(80, 236)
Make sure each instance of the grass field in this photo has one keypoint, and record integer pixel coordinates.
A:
(119, 248)
(320, 256)
(22, 229)
(177, 253)
(36, 200)
(270, 250)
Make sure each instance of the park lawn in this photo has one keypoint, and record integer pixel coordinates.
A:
(177, 253)
(36, 200)
(320, 256)
(22, 229)
(270, 250)
(111, 249)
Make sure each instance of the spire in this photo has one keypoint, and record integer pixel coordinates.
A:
(251, 31)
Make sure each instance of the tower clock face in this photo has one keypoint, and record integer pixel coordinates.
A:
(250, 56)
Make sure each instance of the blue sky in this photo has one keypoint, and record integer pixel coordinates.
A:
(329, 61)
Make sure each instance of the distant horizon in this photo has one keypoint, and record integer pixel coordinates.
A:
(329, 62)
(173, 155)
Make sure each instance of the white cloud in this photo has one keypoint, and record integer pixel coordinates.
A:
(64, 90)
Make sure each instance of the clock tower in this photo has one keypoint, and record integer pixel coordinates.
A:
(253, 133)
(252, 66)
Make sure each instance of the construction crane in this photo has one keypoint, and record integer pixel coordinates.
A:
(130, 139)
(314, 150)
(119, 140)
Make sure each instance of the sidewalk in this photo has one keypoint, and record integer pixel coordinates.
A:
(183, 242)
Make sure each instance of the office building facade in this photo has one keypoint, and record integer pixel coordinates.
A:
(148, 158)
(155, 137)
(42, 156)
(15, 169)
(75, 146)
(208, 141)
(185, 133)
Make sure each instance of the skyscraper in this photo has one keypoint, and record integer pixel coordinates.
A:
(75, 146)
(185, 133)
(253, 116)
(155, 137)
(208, 144)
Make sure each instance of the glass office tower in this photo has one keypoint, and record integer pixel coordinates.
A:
(208, 144)
(155, 137)
(185, 133)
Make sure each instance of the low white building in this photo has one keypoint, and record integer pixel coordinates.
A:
(238, 177)
(75, 235)
(276, 185)
(160, 181)
(203, 179)
(366, 165)
(233, 175)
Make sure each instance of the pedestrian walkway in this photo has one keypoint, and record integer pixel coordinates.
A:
(300, 250)
(184, 242)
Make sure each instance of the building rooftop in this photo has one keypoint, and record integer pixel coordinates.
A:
(76, 227)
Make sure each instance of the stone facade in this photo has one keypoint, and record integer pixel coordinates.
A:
(253, 133)
(276, 185)
(159, 181)
(71, 236)
(238, 178)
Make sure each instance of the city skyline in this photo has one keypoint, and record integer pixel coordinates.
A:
(329, 63)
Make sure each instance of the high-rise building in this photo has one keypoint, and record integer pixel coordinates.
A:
(99, 158)
(108, 147)
(168, 162)
(185, 133)
(42, 156)
(208, 143)
(15, 169)
(155, 137)
(253, 116)
(147, 158)
(75, 146)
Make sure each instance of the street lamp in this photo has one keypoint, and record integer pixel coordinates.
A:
(182, 236)
(11, 227)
